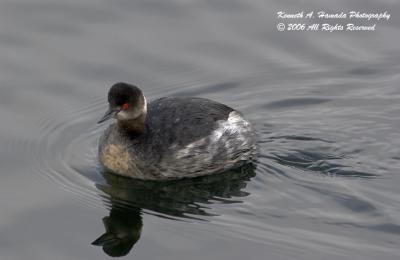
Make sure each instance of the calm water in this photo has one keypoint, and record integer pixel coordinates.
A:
(326, 107)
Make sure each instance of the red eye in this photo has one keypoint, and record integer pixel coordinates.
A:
(125, 106)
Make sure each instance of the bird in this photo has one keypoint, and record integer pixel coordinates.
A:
(172, 137)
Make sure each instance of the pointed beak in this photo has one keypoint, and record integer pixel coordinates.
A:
(109, 114)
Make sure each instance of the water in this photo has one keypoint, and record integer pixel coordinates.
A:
(326, 107)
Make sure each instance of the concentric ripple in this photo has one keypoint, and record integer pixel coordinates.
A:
(65, 151)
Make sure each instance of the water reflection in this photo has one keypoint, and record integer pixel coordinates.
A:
(123, 229)
(172, 199)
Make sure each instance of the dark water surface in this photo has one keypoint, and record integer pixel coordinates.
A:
(326, 107)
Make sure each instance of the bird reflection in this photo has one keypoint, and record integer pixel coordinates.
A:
(123, 228)
(170, 199)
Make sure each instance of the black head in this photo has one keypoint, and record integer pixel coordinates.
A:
(121, 93)
(125, 102)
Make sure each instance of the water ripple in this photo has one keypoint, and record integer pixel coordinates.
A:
(65, 152)
(66, 142)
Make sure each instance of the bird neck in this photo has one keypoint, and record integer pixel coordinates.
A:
(135, 126)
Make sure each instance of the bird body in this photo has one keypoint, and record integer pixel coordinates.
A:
(174, 137)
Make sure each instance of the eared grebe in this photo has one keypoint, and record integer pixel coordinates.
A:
(172, 137)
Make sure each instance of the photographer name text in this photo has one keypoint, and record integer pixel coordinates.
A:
(339, 21)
